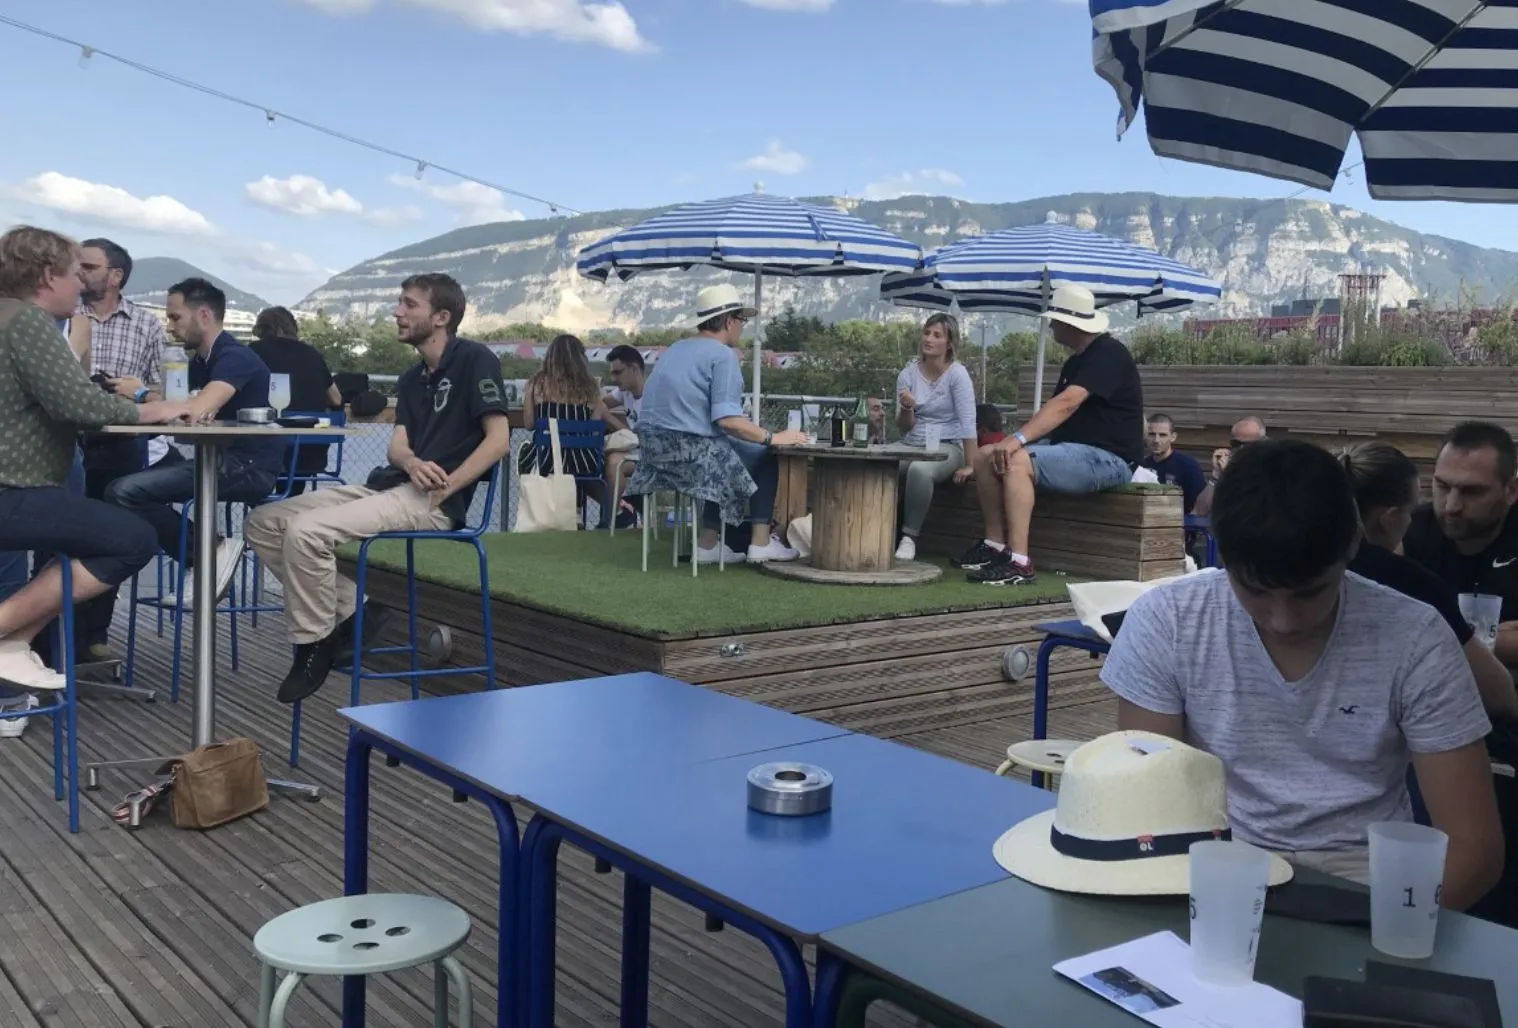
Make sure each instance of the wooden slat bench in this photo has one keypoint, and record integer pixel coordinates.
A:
(1134, 533)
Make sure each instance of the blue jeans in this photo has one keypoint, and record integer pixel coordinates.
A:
(151, 495)
(764, 468)
(1077, 468)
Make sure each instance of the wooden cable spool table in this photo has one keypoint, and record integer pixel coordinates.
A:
(854, 517)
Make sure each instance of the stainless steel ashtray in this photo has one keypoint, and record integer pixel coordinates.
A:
(790, 789)
(256, 416)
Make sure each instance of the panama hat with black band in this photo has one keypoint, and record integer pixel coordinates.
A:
(1075, 306)
(716, 301)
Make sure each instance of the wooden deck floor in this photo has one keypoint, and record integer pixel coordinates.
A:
(152, 929)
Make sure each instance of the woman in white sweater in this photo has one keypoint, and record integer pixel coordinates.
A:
(934, 389)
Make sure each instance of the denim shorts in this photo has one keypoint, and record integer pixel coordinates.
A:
(1077, 468)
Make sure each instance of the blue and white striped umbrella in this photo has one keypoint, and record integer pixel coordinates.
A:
(1016, 270)
(757, 233)
(1278, 87)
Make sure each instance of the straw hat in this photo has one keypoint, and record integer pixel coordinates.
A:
(1130, 806)
(714, 301)
(1074, 305)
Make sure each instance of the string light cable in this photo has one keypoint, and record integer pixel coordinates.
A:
(271, 115)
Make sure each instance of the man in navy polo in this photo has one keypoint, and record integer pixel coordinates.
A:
(230, 377)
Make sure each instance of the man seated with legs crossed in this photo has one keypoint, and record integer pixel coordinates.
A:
(1087, 438)
(1314, 686)
(450, 431)
(46, 397)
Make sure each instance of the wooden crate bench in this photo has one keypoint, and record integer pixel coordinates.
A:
(1133, 533)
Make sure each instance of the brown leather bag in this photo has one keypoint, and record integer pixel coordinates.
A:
(218, 783)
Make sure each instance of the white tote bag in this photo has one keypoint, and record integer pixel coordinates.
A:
(548, 503)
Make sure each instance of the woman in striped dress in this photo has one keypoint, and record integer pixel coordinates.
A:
(565, 389)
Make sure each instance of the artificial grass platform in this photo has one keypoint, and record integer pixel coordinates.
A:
(596, 578)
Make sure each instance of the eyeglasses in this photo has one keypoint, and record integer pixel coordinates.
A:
(1234, 444)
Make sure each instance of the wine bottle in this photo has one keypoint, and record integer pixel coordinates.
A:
(862, 422)
(839, 427)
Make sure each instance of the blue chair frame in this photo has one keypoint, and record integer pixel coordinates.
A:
(470, 534)
(578, 435)
(64, 708)
(1070, 634)
(1197, 524)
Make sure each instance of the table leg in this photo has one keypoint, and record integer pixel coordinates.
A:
(356, 856)
(207, 468)
(854, 525)
(830, 975)
(637, 910)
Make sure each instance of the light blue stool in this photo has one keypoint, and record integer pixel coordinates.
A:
(363, 935)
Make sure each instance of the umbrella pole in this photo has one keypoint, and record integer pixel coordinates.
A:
(1043, 337)
(758, 342)
(983, 359)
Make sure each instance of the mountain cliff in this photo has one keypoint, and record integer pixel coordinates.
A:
(1264, 251)
(152, 276)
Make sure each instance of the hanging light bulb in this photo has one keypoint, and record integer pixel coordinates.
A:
(269, 118)
(85, 53)
(421, 168)
(553, 210)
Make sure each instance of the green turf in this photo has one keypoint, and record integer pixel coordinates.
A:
(599, 579)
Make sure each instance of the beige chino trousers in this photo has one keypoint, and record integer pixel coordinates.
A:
(297, 539)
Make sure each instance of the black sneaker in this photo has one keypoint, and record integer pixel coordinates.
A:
(376, 619)
(627, 516)
(313, 662)
(977, 556)
(1004, 571)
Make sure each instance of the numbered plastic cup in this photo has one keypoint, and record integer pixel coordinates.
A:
(934, 435)
(1228, 883)
(176, 382)
(793, 420)
(1406, 887)
(1483, 613)
(279, 392)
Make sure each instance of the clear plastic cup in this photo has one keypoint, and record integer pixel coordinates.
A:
(1483, 613)
(793, 420)
(934, 435)
(176, 382)
(1228, 883)
(1406, 887)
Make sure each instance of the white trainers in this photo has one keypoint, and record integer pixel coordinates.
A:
(20, 665)
(728, 555)
(773, 551)
(229, 554)
(11, 728)
(906, 549)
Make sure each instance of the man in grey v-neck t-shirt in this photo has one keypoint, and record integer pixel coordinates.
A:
(1375, 680)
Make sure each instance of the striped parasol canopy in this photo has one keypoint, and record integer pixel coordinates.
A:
(1278, 87)
(1018, 269)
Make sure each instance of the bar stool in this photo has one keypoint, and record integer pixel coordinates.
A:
(362, 935)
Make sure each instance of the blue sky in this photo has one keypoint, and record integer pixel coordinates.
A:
(590, 104)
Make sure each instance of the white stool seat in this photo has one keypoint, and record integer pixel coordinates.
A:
(1046, 755)
(362, 935)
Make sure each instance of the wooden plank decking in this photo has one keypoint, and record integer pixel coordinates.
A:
(152, 929)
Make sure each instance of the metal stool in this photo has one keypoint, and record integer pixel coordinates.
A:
(1041, 756)
(363, 935)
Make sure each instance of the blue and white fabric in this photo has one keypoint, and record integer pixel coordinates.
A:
(773, 235)
(1014, 270)
(1279, 87)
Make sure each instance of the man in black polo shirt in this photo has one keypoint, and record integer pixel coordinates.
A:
(230, 377)
(450, 431)
(1087, 438)
(1468, 535)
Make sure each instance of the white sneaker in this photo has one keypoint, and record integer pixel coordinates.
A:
(773, 551)
(11, 728)
(728, 555)
(228, 558)
(906, 549)
(20, 665)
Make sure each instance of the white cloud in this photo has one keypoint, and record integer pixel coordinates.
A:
(574, 21)
(302, 195)
(475, 204)
(389, 217)
(809, 6)
(906, 183)
(776, 160)
(268, 259)
(97, 202)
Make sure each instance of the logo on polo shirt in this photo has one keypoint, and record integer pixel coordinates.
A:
(489, 391)
(440, 395)
(1503, 563)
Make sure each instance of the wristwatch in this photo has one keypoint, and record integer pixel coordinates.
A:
(140, 395)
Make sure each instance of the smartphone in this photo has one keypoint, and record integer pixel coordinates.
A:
(101, 379)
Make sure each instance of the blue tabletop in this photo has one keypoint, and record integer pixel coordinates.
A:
(906, 827)
(509, 740)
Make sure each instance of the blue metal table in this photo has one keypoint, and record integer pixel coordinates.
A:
(906, 827)
(507, 746)
(1070, 634)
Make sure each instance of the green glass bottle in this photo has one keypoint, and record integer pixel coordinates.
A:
(862, 422)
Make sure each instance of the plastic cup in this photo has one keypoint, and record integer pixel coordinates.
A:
(1483, 614)
(176, 383)
(1406, 887)
(1228, 883)
(934, 434)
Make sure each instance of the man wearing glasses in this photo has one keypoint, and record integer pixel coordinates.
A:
(1249, 430)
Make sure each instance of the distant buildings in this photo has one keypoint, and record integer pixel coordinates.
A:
(528, 350)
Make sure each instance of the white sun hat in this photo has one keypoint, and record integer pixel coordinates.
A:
(1130, 806)
(1074, 305)
(714, 301)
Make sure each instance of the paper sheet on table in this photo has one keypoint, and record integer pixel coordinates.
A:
(1151, 978)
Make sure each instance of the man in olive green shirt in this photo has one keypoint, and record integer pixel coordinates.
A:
(46, 398)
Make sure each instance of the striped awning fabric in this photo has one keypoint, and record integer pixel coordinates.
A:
(757, 232)
(1279, 87)
(1009, 271)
